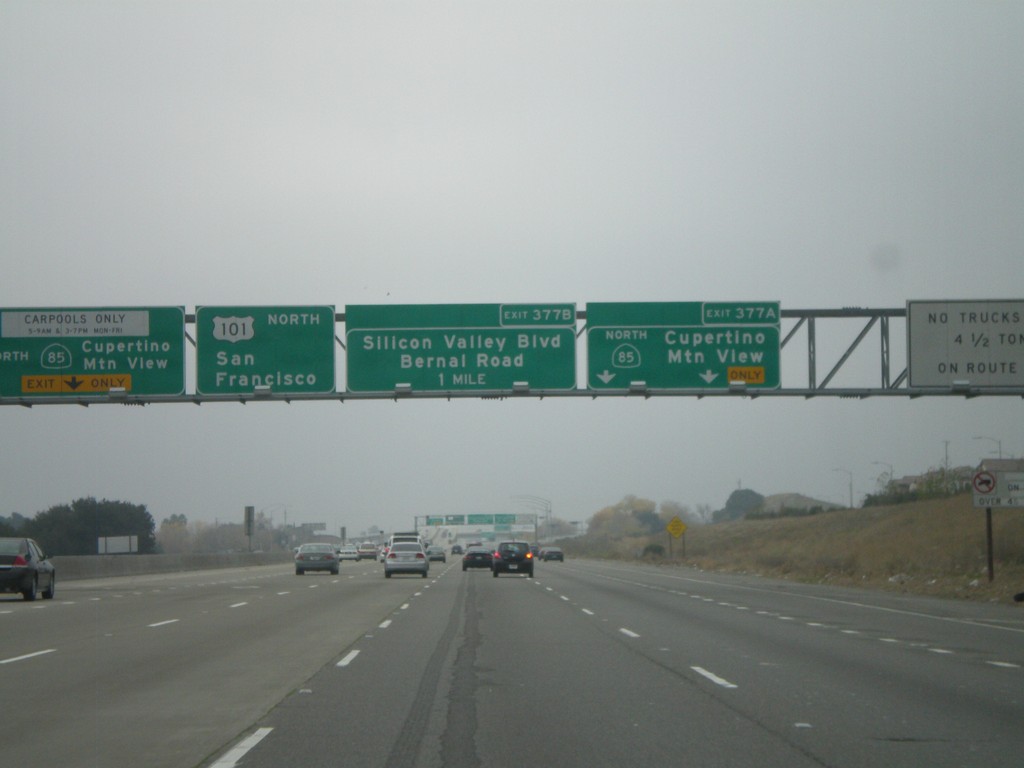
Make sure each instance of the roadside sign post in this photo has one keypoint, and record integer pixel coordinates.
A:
(111, 351)
(273, 350)
(683, 345)
(996, 489)
(455, 347)
(677, 530)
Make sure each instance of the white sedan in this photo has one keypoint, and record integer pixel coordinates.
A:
(348, 553)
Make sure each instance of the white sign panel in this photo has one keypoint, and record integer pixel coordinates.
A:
(999, 489)
(977, 342)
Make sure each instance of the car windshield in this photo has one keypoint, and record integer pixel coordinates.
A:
(406, 547)
(317, 548)
(514, 547)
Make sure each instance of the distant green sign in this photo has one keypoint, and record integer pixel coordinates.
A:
(288, 349)
(92, 351)
(451, 347)
(683, 345)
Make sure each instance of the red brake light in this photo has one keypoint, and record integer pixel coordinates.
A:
(392, 556)
(20, 560)
(529, 555)
(420, 555)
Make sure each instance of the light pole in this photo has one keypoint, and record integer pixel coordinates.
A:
(851, 482)
(538, 503)
(999, 443)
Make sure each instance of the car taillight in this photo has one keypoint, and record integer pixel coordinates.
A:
(529, 555)
(19, 561)
(420, 556)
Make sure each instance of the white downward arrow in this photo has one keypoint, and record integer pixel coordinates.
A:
(606, 377)
(708, 376)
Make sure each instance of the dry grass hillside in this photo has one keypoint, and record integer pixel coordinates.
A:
(930, 547)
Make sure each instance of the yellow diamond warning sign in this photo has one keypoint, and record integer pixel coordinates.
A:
(676, 527)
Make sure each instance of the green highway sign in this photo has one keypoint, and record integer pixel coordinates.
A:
(683, 345)
(451, 347)
(92, 351)
(280, 350)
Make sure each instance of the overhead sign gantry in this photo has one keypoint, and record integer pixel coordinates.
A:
(136, 355)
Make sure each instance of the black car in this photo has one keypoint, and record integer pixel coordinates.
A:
(477, 557)
(552, 553)
(316, 557)
(25, 568)
(512, 557)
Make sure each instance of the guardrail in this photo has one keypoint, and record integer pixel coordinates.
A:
(71, 568)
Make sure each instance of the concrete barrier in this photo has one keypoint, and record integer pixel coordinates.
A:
(102, 566)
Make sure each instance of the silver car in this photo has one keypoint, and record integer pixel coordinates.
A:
(406, 557)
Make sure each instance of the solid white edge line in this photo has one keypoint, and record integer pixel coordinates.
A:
(28, 656)
(714, 678)
(236, 753)
(348, 659)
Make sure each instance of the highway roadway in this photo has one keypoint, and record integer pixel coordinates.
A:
(587, 664)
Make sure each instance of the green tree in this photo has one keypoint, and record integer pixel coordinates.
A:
(173, 537)
(73, 529)
(630, 517)
(740, 502)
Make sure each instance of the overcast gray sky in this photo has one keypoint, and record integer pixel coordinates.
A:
(819, 154)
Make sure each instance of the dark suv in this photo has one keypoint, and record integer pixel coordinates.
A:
(512, 557)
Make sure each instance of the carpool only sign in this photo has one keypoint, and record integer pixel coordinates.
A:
(92, 351)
